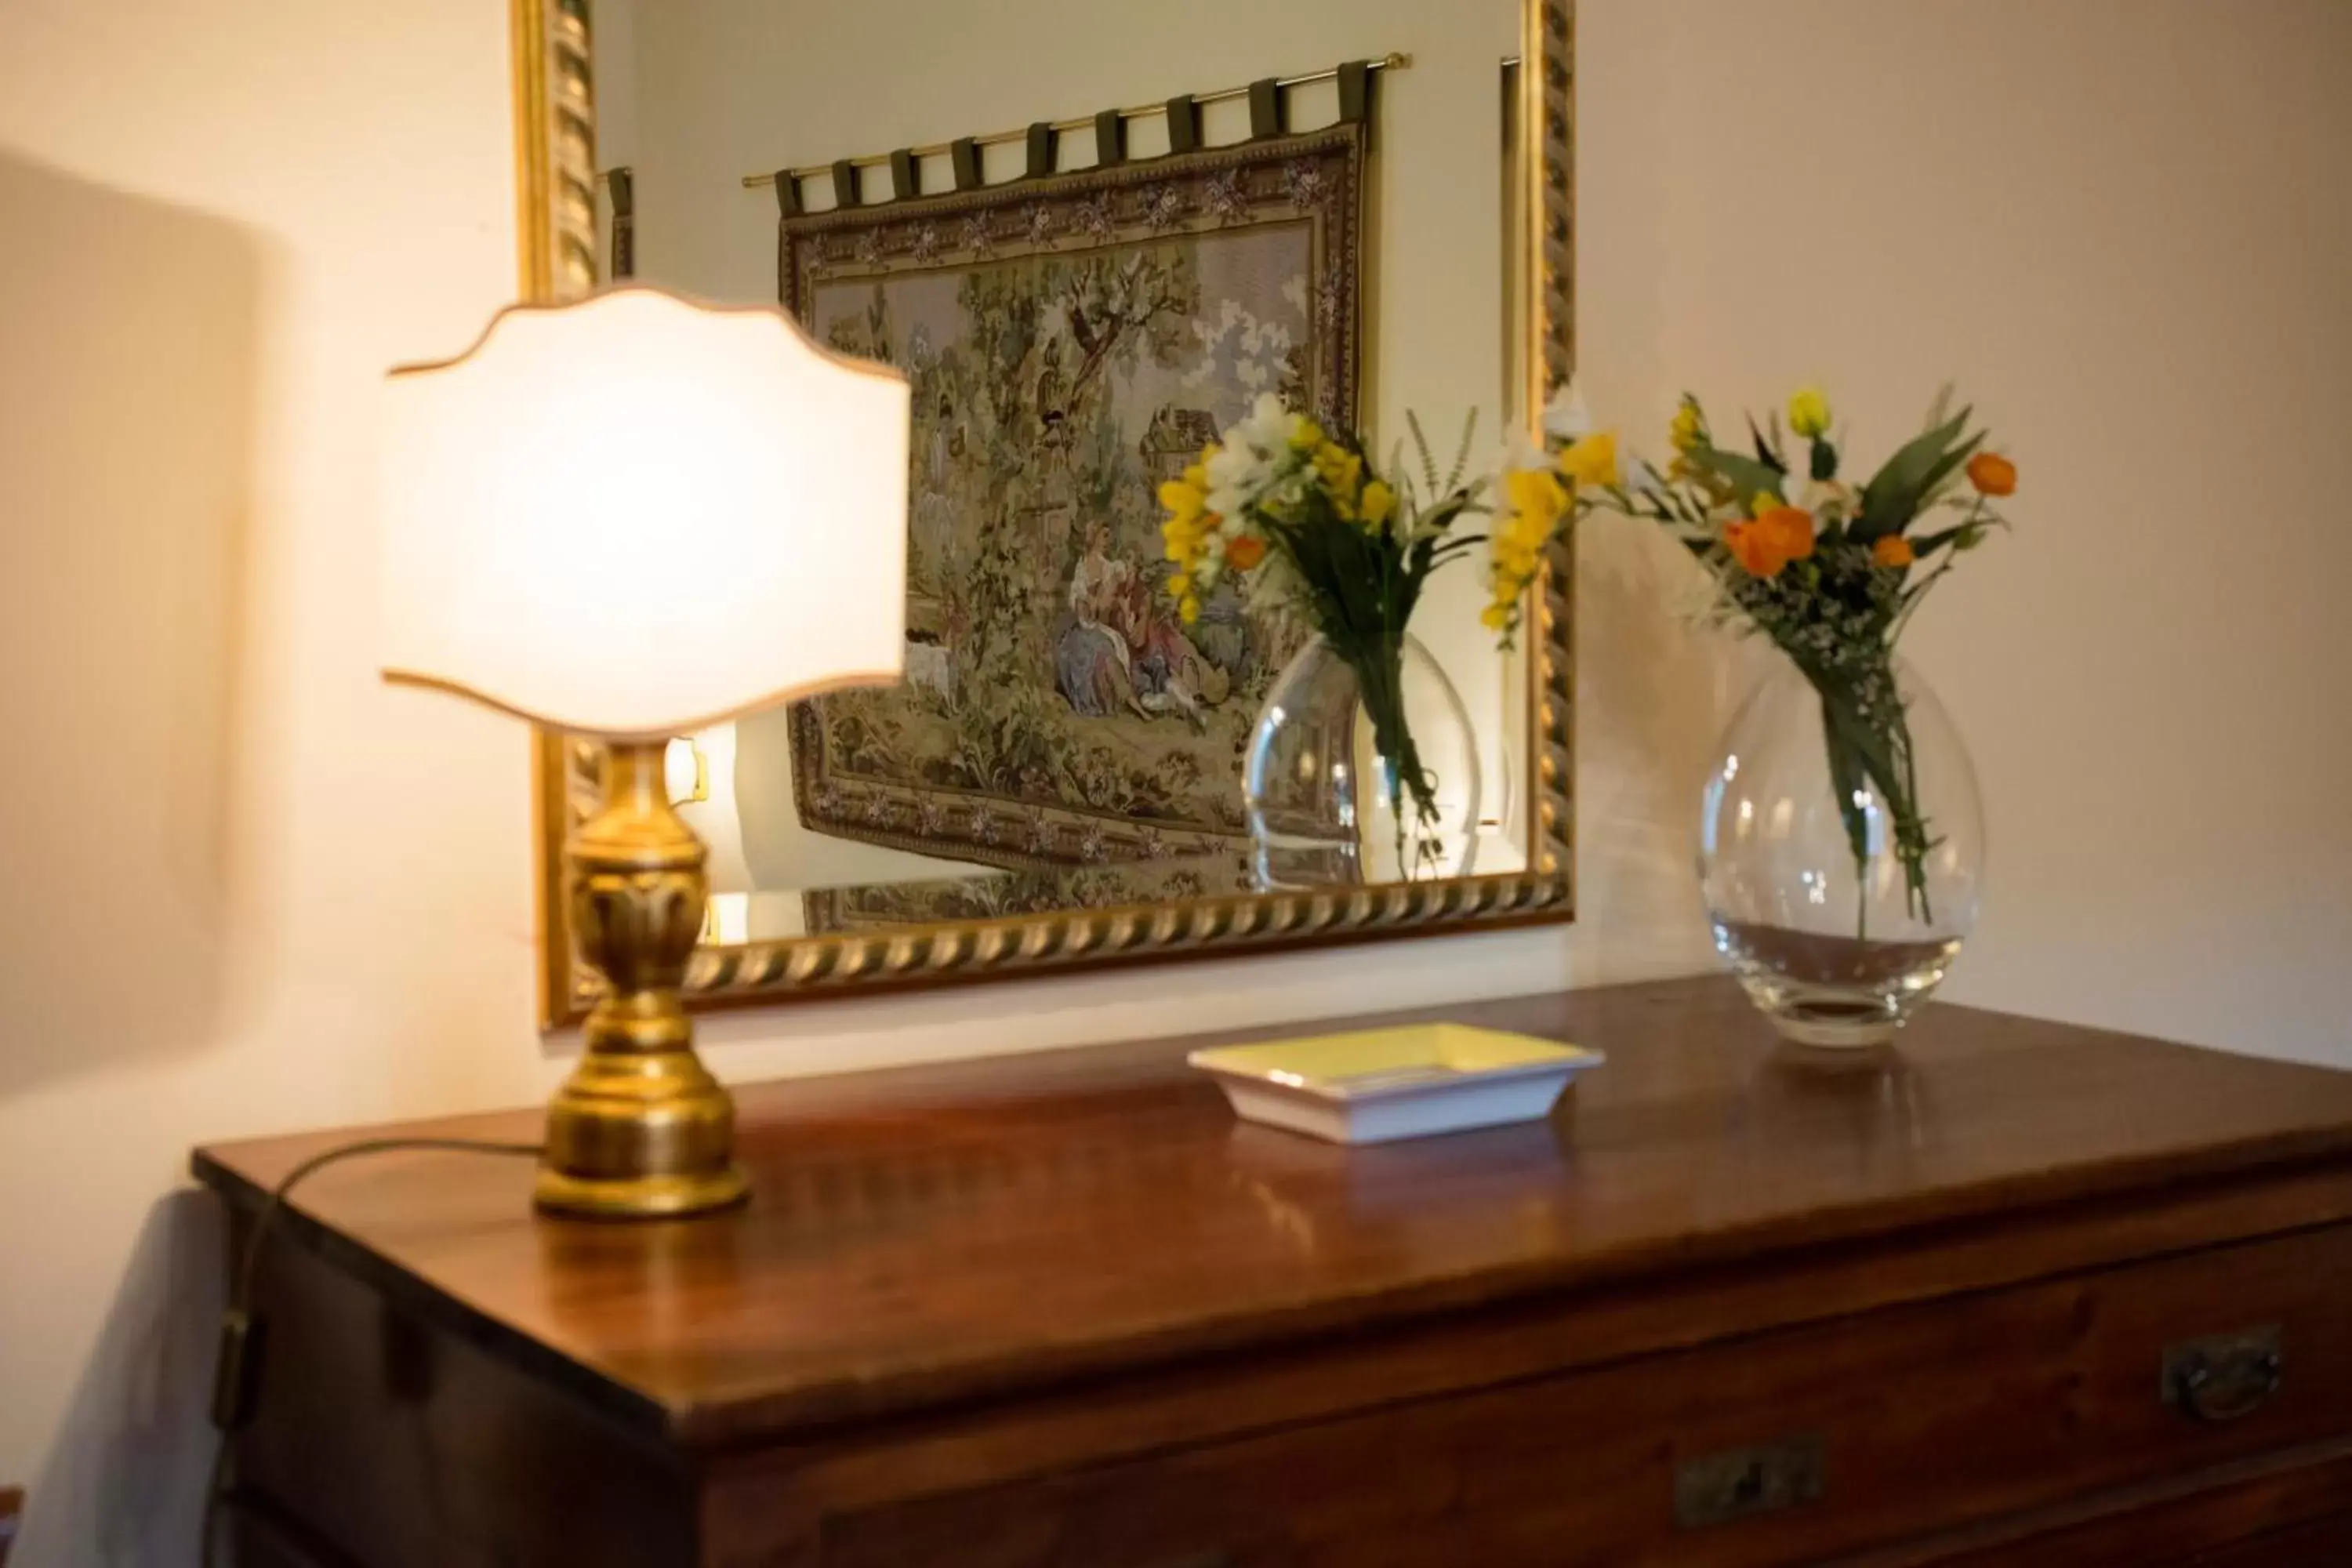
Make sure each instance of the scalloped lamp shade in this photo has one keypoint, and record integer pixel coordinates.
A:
(637, 516)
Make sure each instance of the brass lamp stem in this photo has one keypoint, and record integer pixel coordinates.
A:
(641, 1130)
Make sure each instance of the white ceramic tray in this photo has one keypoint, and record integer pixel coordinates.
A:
(1386, 1084)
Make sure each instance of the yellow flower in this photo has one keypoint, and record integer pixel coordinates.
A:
(1379, 502)
(1340, 471)
(1308, 437)
(1688, 431)
(1592, 461)
(1189, 608)
(1533, 502)
(1808, 413)
(1183, 533)
(1186, 500)
(1179, 585)
(1532, 494)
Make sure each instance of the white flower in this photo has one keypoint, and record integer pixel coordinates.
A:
(1270, 427)
(1823, 498)
(1521, 454)
(1256, 460)
(1565, 417)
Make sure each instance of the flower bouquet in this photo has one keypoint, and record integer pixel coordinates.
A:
(1832, 572)
(1301, 517)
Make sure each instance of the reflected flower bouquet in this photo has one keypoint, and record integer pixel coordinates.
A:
(1300, 515)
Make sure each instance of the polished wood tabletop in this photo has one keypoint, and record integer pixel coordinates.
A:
(926, 1234)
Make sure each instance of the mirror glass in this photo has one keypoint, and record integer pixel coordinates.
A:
(1080, 309)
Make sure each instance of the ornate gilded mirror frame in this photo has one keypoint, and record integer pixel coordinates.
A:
(555, 134)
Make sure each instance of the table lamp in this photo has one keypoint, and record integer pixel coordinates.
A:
(632, 518)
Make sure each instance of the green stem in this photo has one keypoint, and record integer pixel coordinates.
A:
(1868, 732)
(1380, 679)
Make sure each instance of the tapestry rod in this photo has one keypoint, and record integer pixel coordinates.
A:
(1393, 62)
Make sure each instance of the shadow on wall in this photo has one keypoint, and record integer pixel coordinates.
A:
(124, 1481)
(127, 427)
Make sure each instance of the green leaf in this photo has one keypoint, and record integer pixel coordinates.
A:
(1825, 459)
(1891, 499)
(1462, 452)
(1421, 445)
(1438, 519)
(1744, 474)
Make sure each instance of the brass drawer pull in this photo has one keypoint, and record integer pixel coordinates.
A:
(2225, 1378)
(1716, 1489)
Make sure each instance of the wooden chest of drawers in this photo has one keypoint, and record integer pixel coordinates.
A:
(2016, 1294)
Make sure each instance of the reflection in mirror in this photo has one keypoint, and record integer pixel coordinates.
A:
(1082, 305)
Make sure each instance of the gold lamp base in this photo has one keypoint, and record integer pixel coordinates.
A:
(641, 1130)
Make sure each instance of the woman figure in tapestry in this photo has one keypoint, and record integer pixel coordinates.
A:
(1124, 650)
(1094, 666)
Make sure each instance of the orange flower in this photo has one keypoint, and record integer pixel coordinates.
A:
(1752, 548)
(1245, 550)
(1766, 543)
(1791, 528)
(1893, 551)
(1992, 474)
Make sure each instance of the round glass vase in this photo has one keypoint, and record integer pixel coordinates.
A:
(1838, 954)
(1323, 798)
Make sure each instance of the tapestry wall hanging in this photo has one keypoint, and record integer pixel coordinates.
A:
(1073, 341)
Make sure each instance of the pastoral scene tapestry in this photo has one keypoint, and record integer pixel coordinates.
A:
(1073, 341)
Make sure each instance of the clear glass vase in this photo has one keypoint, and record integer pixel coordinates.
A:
(1837, 953)
(1328, 807)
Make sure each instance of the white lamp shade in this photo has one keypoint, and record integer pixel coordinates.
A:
(636, 515)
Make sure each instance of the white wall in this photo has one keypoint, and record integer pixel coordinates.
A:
(613, 24)
(2125, 227)
(251, 890)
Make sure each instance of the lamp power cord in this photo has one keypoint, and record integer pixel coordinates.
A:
(237, 1363)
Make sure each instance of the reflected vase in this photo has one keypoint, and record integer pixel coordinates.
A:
(1837, 952)
(1328, 805)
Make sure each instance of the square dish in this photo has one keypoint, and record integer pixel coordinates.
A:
(1382, 1085)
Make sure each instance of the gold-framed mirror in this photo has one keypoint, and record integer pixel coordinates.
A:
(1366, 205)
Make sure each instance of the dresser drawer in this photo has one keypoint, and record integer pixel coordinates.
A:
(1786, 1447)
